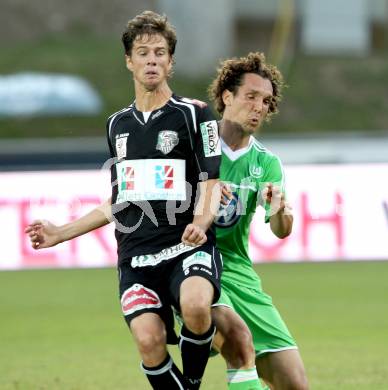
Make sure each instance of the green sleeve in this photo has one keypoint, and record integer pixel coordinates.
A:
(274, 173)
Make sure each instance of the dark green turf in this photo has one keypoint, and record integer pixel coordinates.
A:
(325, 93)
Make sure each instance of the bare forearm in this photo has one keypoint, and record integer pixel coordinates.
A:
(208, 203)
(281, 223)
(98, 217)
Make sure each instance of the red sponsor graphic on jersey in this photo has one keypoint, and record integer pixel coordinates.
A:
(128, 178)
(138, 297)
(164, 176)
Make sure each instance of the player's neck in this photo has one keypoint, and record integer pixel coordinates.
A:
(150, 100)
(234, 135)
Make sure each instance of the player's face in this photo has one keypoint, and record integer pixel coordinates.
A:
(150, 61)
(250, 105)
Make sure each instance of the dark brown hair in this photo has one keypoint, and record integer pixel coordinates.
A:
(230, 76)
(149, 23)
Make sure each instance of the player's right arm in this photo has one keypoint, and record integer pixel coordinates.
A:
(44, 234)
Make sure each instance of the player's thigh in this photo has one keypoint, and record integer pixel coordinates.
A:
(144, 304)
(195, 278)
(196, 289)
(283, 369)
(269, 331)
(218, 319)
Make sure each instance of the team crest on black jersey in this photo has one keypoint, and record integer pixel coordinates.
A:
(167, 140)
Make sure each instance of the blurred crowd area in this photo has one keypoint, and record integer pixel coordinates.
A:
(334, 57)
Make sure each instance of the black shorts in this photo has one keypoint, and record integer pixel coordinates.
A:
(151, 283)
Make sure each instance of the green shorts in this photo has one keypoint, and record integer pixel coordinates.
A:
(270, 333)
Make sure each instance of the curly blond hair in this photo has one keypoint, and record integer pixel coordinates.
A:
(230, 76)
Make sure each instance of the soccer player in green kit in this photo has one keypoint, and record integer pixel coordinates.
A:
(246, 92)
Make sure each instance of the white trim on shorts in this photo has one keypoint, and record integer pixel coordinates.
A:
(222, 304)
(263, 351)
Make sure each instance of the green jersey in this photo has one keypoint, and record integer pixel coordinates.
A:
(246, 171)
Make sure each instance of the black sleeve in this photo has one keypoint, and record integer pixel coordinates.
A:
(108, 138)
(207, 146)
(111, 161)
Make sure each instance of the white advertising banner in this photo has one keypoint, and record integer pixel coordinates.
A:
(340, 213)
(58, 196)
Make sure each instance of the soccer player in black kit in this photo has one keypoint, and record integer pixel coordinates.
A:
(163, 145)
(165, 156)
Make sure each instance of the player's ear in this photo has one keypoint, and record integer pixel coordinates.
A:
(170, 64)
(227, 97)
(128, 62)
(172, 60)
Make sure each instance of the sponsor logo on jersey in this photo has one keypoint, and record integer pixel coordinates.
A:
(210, 139)
(198, 259)
(156, 258)
(157, 114)
(138, 297)
(127, 178)
(151, 179)
(167, 140)
(256, 172)
(121, 147)
(164, 176)
(228, 214)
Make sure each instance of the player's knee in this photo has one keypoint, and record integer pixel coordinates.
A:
(299, 382)
(245, 346)
(196, 315)
(150, 341)
(298, 379)
(242, 353)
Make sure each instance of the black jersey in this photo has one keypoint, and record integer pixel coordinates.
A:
(157, 166)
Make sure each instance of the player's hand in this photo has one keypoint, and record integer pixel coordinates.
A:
(194, 235)
(43, 234)
(273, 196)
(226, 193)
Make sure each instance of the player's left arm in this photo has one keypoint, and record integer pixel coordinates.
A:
(205, 211)
(278, 210)
(207, 151)
(281, 218)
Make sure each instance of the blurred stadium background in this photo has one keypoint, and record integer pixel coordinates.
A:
(62, 73)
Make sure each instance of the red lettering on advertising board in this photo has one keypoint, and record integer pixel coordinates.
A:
(98, 233)
(334, 219)
(27, 257)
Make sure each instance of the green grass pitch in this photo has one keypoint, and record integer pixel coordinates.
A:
(62, 329)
